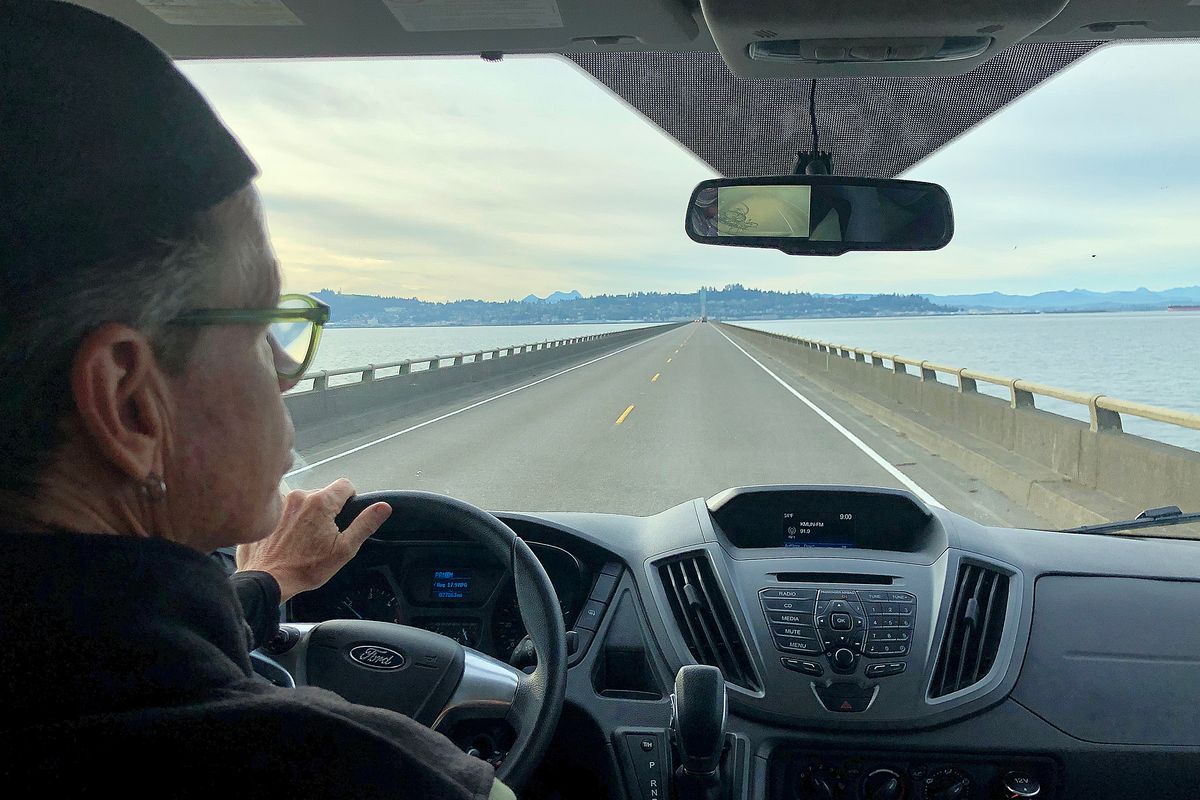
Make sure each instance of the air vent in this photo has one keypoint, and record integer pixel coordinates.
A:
(973, 630)
(704, 618)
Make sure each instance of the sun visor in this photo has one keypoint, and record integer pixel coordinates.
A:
(833, 38)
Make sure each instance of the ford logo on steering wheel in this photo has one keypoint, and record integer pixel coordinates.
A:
(373, 656)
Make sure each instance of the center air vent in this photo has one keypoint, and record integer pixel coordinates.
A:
(973, 630)
(704, 619)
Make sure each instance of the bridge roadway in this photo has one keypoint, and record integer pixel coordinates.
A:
(684, 414)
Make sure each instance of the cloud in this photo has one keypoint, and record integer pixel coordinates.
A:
(450, 178)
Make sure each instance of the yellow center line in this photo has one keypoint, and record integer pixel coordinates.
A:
(624, 414)
(655, 378)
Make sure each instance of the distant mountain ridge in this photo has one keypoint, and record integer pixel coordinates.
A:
(553, 297)
(1073, 300)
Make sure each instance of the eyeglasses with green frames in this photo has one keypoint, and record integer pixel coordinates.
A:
(295, 328)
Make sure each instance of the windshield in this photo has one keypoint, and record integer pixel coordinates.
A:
(450, 209)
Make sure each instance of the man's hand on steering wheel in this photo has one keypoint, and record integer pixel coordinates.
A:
(306, 549)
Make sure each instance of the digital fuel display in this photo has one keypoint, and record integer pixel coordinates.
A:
(450, 584)
(818, 529)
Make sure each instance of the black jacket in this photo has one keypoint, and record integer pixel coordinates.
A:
(124, 668)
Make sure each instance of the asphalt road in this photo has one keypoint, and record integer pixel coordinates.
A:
(682, 415)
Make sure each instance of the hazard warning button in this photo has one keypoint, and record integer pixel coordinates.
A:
(844, 698)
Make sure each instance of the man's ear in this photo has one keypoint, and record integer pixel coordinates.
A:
(121, 399)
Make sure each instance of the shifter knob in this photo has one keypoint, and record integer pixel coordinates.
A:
(698, 709)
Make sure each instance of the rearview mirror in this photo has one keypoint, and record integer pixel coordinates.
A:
(820, 215)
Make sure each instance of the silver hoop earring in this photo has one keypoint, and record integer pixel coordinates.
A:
(154, 488)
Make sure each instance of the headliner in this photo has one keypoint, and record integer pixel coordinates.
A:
(658, 56)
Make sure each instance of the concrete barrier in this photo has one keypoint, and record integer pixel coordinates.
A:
(1066, 471)
(326, 413)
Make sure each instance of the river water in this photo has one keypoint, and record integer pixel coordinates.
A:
(1151, 357)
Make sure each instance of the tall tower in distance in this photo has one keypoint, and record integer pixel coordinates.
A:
(703, 300)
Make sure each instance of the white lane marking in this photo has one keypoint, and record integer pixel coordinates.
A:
(857, 442)
(412, 428)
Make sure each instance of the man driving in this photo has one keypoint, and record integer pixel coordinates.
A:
(144, 350)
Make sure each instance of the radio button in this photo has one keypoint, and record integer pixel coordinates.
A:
(788, 594)
(885, 669)
(805, 666)
(789, 618)
(902, 597)
(875, 597)
(798, 645)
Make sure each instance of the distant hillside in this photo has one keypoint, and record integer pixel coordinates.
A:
(732, 302)
(1140, 299)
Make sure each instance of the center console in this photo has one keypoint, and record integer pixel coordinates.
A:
(843, 632)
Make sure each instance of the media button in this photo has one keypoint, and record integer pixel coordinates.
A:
(789, 618)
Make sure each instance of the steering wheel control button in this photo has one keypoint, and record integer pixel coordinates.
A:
(803, 665)
(885, 669)
(844, 698)
(1020, 784)
(840, 622)
(590, 616)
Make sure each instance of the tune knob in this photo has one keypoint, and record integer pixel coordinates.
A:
(843, 658)
(1017, 785)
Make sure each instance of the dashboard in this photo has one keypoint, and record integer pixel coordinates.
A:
(429, 580)
(873, 647)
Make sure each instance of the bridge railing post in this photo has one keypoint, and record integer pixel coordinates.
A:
(928, 374)
(966, 384)
(1020, 398)
(405, 367)
(368, 374)
(321, 381)
(1102, 419)
(898, 366)
(435, 362)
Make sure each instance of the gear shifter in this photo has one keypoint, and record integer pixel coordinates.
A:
(698, 708)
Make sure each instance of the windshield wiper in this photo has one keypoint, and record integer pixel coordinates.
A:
(1150, 518)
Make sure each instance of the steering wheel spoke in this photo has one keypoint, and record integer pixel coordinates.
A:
(488, 690)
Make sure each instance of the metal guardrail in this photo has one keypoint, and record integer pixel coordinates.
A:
(369, 372)
(1104, 412)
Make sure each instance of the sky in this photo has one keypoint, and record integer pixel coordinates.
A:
(454, 178)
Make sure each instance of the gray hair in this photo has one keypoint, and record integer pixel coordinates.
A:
(44, 326)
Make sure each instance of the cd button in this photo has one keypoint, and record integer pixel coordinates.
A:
(784, 604)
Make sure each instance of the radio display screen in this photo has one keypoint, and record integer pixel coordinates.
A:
(818, 529)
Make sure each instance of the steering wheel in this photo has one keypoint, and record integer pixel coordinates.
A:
(433, 678)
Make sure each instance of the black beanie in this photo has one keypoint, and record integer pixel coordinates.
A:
(105, 146)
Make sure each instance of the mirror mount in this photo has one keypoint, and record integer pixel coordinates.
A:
(812, 163)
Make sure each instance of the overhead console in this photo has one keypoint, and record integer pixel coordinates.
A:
(830, 38)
